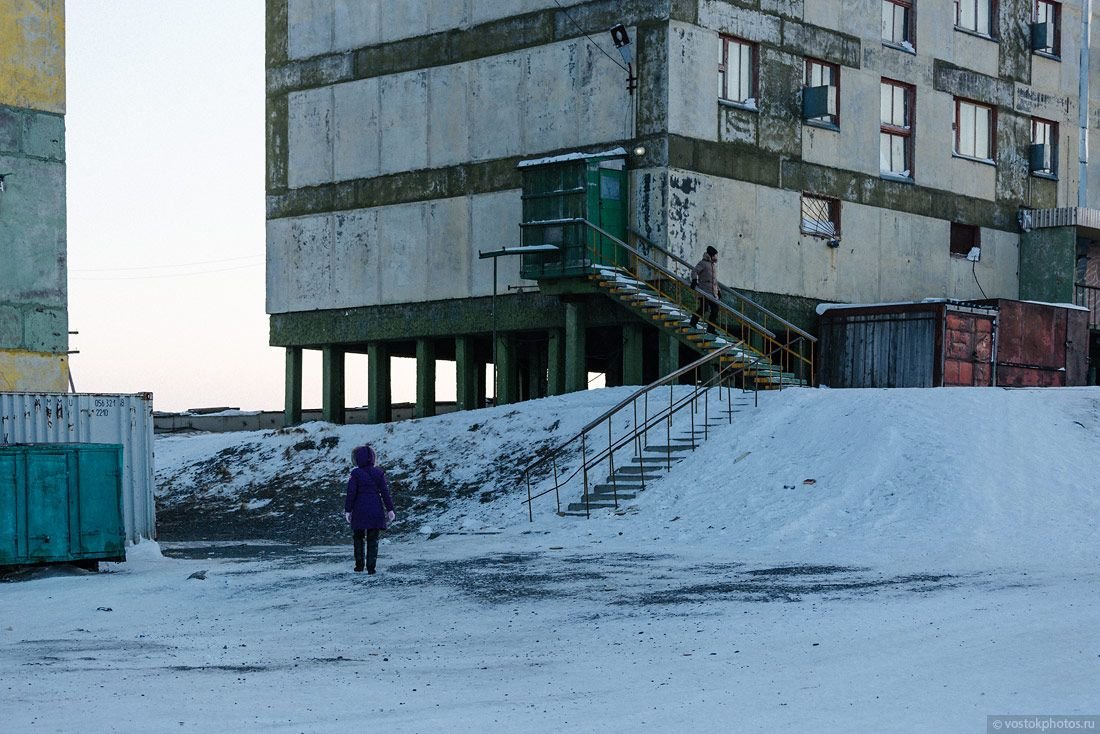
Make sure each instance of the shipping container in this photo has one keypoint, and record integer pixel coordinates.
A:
(126, 420)
(940, 343)
(61, 502)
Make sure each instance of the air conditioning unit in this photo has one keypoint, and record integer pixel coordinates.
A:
(818, 102)
(1041, 36)
(1042, 157)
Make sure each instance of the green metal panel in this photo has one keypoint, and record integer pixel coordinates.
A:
(61, 502)
(98, 529)
(556, 197)
(47, 506)
(10, 508)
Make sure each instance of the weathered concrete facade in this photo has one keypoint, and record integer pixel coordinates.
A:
(393, 141)
(33, 295)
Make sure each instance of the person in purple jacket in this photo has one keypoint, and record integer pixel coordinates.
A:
(368, 507)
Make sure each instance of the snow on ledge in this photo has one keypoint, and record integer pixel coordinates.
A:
(578, 156)
(824, 307)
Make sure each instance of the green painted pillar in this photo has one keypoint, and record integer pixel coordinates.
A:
(378, 383)
(465, 373)
(632, 354)
(555, 362)
(1048, 265)
(332, 384)
(425, 378)
(292, 405)
(507, 373)
(576, 376)
(668, 355)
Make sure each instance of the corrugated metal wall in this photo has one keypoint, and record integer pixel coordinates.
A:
(87, 418)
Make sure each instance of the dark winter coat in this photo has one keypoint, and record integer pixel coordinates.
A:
(706, 275)
(368, 496)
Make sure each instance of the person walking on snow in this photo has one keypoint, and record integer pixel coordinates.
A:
(368, 507)
(704, 277)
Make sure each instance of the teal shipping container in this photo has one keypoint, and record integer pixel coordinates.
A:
(61, 502)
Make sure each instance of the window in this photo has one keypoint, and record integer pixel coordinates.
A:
(974, 126)
(737, 71)
(820, 216)
(897, 24)
(896, 131)
(964, 239)
(1044, 147)
(1046, 35)
(975, 16)
(823, 107)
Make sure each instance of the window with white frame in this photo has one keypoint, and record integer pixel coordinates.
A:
(896, 128)
(975, 125)
(897, 24)
(823, 74)
(975, 16)
(1047, 37)
(737, 71)
(820, 216)
(1044, 147)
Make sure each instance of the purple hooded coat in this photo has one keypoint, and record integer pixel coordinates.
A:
(368, 495)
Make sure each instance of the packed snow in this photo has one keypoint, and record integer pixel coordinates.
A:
(827, 560)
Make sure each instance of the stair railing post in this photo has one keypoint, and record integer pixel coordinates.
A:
(530, 512)
(557, 493)
(611, 463)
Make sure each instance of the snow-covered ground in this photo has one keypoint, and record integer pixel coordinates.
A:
(834, 560)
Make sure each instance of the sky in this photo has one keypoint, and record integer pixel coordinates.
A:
(833, 561)
(165, 155)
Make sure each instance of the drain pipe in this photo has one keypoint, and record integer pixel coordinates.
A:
(1083, 104)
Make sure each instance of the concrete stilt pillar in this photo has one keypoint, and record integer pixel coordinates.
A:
(292, 404)
(507, 374)
(555, 362)
(576, 375)
(668, 355)
(479, 384)
(465, 373)
(379, 405)
(425, 378)
(632, 355)
(332, 384)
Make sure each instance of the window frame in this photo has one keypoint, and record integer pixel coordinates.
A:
(833, 207)
(956, 123)
(725, 42)
(910, 26)
(900, 131)
(974, 240)
(1051, 140)
(992, 5)
(1054, 51)
(834, 69)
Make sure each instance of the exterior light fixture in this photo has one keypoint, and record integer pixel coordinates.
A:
(639, 150)
(621, 39)
(833, 243)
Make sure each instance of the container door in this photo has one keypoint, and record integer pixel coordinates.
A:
(47, 506)
(99, 530)
(10, 507)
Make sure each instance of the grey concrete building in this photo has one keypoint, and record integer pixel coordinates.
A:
(860, 151)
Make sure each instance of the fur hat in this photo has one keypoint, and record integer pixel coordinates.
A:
(711, 251)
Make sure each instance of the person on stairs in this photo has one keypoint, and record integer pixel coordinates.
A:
(704, 277)
(368, 507)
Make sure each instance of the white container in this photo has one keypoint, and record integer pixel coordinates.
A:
(87, 418)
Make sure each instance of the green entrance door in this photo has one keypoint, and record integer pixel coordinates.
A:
(610, 210)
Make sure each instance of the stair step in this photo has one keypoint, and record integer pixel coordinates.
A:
(655, 460)
(580, 506)
(623, 487)
(666, 449)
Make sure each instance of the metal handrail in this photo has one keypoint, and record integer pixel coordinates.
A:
(790, 356)
(737, 294)
(1089, 297)
(722, 377)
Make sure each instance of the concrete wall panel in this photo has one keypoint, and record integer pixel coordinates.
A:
(550, 113)
(403, 122)
(357, 259)
(32, 54)
(309, 27)
(751, 25)
(356, 138)
(448, 120)
(311, 133)
(358, 23)
(496, 103)
(403, 234)
(693, 81)
(447, 263)
(494, 223)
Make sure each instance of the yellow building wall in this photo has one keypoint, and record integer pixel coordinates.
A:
(33, 372)
(32, 54)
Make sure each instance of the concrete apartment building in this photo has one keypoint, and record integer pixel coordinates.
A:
(862, 151)
(33, 291)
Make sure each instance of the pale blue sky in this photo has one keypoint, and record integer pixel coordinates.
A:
(165, 146)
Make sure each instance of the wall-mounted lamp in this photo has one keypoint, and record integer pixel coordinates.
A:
(833, 243)
(639, 150)
(621, 39)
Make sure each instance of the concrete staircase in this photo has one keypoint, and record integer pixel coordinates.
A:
(646, 302)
